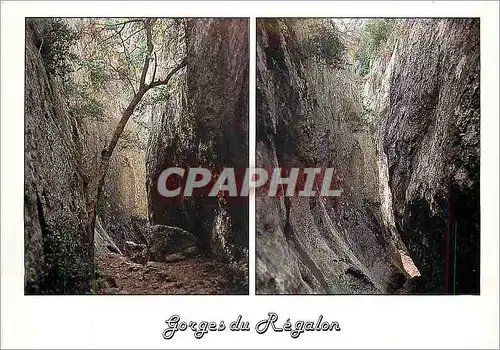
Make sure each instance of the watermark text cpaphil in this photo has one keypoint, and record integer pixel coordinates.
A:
(303, 182)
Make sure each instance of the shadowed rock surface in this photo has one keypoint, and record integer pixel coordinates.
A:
(205, 124)
(409, 178)
(429, 132)
(309, 115)
(54, 200)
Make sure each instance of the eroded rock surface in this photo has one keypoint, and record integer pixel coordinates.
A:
(309, 115)
(429, 115)
(407, 160)
(103, 243)
(205, 124)
(55, 243)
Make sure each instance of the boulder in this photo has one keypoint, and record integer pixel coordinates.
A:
(166, 240)
(137, 252)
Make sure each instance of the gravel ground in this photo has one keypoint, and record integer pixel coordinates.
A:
(198, 275)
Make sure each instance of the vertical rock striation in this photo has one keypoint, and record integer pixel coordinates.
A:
(429, 134)
(309, 115)
(54, 200)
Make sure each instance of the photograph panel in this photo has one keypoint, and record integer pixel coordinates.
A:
(374, 127)
(111, 104)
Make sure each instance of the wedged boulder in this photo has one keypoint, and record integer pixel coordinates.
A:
(166, 240)
(137, 252)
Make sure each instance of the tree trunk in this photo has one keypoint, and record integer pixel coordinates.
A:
(108, 151)
(104, 166)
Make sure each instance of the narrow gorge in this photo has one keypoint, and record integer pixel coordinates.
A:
(393, 106)
(390, 105)
(109, 104)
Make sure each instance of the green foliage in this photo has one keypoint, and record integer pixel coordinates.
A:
(376, 33)
(272, 24)
(324, 44)
(57, 37)
(96, 72)
(92, 108)
(160, 94)
(68, 268)
(364, 58)
(82, 102)
(374, 37)
(137, 56)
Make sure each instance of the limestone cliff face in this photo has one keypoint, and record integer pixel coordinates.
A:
(310, 115)
(205, 123)
(426, 98)
(120, 209)
(54, 200)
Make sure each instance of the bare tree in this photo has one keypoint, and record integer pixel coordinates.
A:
(139, 86)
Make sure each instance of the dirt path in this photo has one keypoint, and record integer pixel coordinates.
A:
(199, 275)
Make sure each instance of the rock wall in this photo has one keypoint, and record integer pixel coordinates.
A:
(123, 207)
(205, 123)
(120, 209)
(54, 200)
(310, 115)
(429, 119)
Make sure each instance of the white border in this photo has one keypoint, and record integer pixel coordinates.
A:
(137, 322)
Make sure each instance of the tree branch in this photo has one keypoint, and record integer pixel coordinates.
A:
(125, 51)
(169, 75)
(107, 26)
(121, 74)
(156, 65)
(134, 33)
(149, 39)
(135, 100)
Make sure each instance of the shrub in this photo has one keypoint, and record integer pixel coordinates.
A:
(374, 37)
(323, 44)
(160, 94)
(95, 70)
(57, 37)
(364, 59)
(377, 32)
(68, 268)
(272, 24)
